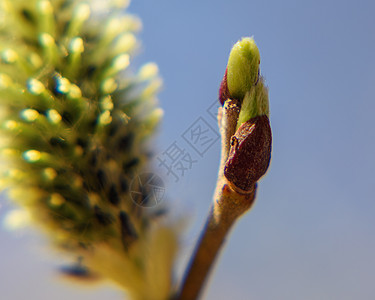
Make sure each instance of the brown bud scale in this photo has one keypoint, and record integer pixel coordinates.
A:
(250, 153)
(223, 91)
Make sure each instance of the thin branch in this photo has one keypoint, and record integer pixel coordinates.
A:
(228, 205)
(227, 208)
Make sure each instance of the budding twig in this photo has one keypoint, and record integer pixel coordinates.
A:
(245, 156)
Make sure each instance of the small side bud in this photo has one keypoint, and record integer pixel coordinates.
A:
(243, 68)
(250, 153)
(255, 103)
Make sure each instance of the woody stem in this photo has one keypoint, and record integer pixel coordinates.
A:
(227, 118)
(228, 205)
(226, 209)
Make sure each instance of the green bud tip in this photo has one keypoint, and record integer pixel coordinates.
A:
(242, 69)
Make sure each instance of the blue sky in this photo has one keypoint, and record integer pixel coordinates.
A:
(311, 233)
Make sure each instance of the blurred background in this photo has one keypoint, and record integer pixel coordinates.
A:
(311, 233)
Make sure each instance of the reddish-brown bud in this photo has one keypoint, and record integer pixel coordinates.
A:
(223, 91)
(250, 153)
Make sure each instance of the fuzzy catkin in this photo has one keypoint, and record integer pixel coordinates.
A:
(74, 126)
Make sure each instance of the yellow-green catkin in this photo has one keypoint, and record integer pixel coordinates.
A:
(74, 125)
